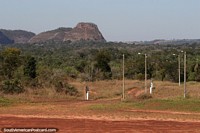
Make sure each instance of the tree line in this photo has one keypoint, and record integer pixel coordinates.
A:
(52, 64)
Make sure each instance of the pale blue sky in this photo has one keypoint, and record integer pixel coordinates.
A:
(118, 20)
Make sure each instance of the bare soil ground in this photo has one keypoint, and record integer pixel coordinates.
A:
(104, 113)
(95, 126)
(71, 116)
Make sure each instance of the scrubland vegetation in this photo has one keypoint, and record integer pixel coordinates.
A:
(61, 70)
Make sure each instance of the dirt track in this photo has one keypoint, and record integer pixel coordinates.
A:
(76, 116)
(91, 126)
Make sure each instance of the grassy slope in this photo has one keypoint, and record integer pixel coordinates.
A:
(105, 102)
(166, 96)
(5, 102)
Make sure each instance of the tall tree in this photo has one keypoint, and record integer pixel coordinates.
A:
(102, 63)
(11, 60)
(30, 67)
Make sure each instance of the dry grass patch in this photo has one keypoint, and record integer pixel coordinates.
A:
(169, 90)
(106, 89)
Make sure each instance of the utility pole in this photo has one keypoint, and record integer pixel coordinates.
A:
(145, 65)
(123, 97)
(145, 58)
(91, 72)
(179, 69)
(185, 75)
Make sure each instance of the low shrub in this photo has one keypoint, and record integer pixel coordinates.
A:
(60, 87)
(12, 87)
(144, 96)
(71, 90)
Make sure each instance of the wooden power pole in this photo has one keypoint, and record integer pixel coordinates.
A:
(123, 89)
(145, 56)
(179, 70)
(185, 75)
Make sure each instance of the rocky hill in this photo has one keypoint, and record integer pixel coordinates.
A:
(4, 39)
(53, 35)
(83, 31)
(18, 36)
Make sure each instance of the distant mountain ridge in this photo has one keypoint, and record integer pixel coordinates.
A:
(174, 41)
(82, 31)
(18, 36)
(4, 39)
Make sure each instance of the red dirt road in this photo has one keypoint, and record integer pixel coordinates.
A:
(101, 126)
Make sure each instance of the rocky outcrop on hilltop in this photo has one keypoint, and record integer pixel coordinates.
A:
(83, 31)
(18, 36)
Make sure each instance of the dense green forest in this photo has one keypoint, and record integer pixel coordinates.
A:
(54, 64)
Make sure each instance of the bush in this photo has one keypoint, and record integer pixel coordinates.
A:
(30, 83)
(71, 71)
(65, 88)
(12, 87)
(191, 76)
(71, 90)
(144, 96)
(140, 76)
(58, 87)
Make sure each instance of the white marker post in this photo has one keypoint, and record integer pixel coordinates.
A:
(87, 95)
(151, 87)
(87, 92)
